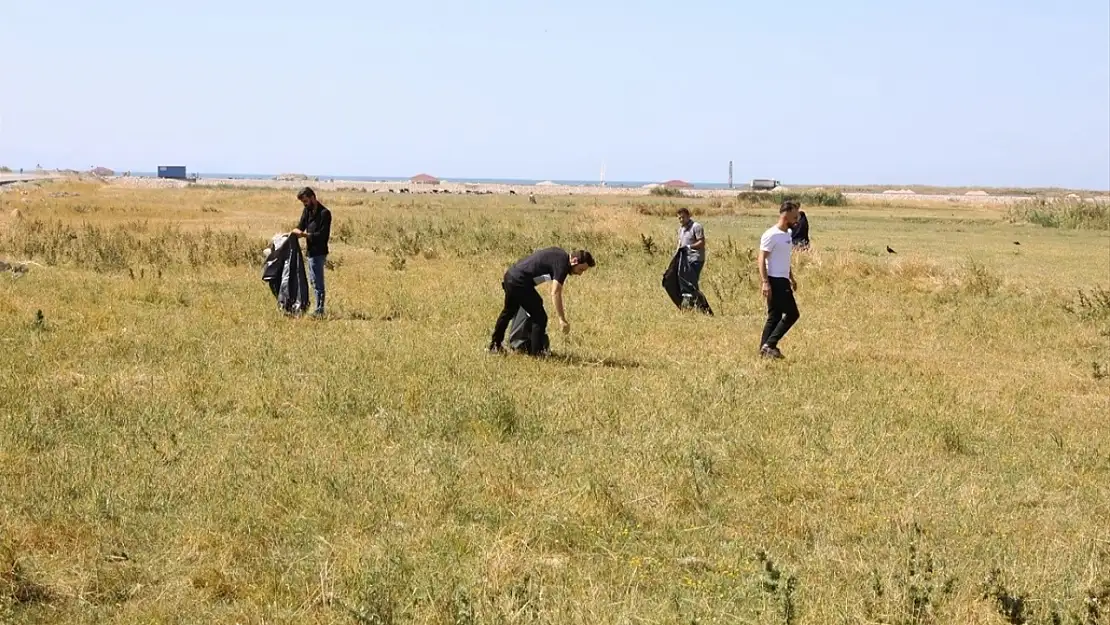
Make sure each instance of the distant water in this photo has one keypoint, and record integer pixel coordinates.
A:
(618, 184)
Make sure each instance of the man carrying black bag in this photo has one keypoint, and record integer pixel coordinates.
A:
(551, 264)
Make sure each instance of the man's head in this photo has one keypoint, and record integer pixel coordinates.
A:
(580, 261)
(307, 197)
(683, 216)
(789, 212)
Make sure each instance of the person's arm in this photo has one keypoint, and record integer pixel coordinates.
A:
(761, 261)
(699, 239)
(557, 298)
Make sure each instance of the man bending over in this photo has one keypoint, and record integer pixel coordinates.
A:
(551, 264)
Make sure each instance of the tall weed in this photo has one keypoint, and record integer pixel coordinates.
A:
(1067, 213)
(813, 197)
(111, 249)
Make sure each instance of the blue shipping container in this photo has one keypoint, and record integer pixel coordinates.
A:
(171, 171)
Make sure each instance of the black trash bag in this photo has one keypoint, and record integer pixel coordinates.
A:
(284, 271)
(675, 285)
(520, 333)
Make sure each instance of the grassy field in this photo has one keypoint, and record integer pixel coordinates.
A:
(935, 448)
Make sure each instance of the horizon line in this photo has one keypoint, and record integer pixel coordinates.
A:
(739, 185)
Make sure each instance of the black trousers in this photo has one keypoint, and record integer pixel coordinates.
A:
(526, 297)
(782, 312)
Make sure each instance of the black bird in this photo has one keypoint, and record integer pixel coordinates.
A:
(890, 251)
(1017, 242)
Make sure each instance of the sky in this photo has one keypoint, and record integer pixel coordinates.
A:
(987, 92)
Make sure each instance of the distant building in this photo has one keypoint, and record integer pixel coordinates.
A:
(172, 171)
(424, 179)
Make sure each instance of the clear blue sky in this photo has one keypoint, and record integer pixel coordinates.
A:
(987, 92)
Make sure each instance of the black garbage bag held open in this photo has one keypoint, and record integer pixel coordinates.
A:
(675, 284)
(284, 271)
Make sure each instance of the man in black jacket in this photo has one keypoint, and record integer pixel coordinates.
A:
(552, 264)
(799, 234)
(315, 228)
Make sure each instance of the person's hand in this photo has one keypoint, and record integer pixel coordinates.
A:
(296, 232)
(766, 290)
(564, 326)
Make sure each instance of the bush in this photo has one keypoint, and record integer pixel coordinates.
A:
(5, 170)
(667, 192)
(1070, 213)
(815, 197)
(1092, 305)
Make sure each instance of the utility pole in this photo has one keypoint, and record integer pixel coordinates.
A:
(730, 174)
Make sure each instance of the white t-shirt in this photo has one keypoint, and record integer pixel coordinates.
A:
(778, 245)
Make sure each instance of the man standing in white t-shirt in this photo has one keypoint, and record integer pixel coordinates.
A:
(777, 279)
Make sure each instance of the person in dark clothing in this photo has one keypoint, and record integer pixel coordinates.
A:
(691, 236)
(778, 281)
(519, 283)
(315, 228)
(799, 234)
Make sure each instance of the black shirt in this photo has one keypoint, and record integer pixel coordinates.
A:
(799, 234)
(552, 263)
(317, 224)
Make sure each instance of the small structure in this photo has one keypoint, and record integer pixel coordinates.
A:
(677, 184)
(177, 172)
(102, 172)
(424, 179)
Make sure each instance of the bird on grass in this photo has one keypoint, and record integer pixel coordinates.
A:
(890, 251)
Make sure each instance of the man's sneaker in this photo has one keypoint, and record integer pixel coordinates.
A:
(770, 352)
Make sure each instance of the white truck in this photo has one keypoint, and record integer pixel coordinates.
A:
(763, 184)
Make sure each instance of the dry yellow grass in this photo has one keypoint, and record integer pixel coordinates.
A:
(172, 450)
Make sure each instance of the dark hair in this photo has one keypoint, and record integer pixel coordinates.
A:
(306, 192)
(584, 257)
(683, 211)
(789, 205)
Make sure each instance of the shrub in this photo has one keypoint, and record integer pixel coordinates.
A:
(815, 197)
(1092, 305)
(1069, 213)
(667, 192)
